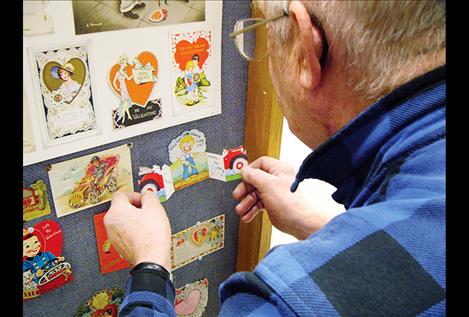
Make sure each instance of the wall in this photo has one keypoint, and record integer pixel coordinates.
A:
(196, 203)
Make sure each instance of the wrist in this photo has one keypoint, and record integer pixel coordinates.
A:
(160, 260)
(152, 277)
(313, 222)
(152, 267)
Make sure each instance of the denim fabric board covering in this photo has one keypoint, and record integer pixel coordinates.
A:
(199, 202)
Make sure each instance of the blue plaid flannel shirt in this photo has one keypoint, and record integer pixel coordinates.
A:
(386, 255)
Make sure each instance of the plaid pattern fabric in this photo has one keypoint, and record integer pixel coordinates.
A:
(148, 303)
(385, 256)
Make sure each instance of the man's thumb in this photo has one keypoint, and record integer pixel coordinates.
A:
(255, 177)
(150, 201)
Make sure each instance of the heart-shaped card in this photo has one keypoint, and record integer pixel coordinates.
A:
(185, 51)
(191, 299)
(189, 304)
(67, 77)
(137, 92)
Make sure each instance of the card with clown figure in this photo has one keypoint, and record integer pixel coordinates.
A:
(44, 267)
(65, 94)
(134, 81)
(191, 70)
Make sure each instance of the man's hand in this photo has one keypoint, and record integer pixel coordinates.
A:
(266, 184)
(139, 229)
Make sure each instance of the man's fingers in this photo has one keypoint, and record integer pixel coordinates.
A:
(265, 163)
(256, 177)
(251, 214)
(122, 202)
(126, 197)
(272, 166)
(241, 190)
(150, 201)
(246, 203)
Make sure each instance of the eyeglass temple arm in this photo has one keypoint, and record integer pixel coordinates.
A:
(255, 25)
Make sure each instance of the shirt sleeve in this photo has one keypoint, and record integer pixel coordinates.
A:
(156, 302)
(245, 294)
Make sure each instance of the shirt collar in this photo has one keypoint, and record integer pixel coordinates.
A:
(344, 159)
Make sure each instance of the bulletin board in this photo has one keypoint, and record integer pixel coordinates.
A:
(203, 201)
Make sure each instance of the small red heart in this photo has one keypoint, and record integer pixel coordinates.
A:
(198, 237)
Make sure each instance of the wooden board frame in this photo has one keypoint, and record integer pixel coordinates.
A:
(262, 136)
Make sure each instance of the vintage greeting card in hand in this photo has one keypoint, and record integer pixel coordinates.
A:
(191, 299)
(195, 242)
(44, 269)
(227, 166)
(90, 180)
(104, 303)
(35, 201)
(65, 92)
(188, 158)
(156, 179)
(190, 165)
(109, 259)
(190, 59)
(133, 81)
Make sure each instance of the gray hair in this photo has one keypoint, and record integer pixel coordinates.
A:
(383, 41)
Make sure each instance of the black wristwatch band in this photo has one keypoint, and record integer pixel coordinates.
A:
(148, 276)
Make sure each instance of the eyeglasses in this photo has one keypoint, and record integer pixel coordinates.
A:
(246, 31)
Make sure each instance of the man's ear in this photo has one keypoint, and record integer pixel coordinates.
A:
(311, 44)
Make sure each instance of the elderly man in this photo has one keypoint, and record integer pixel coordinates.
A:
(362, 83)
